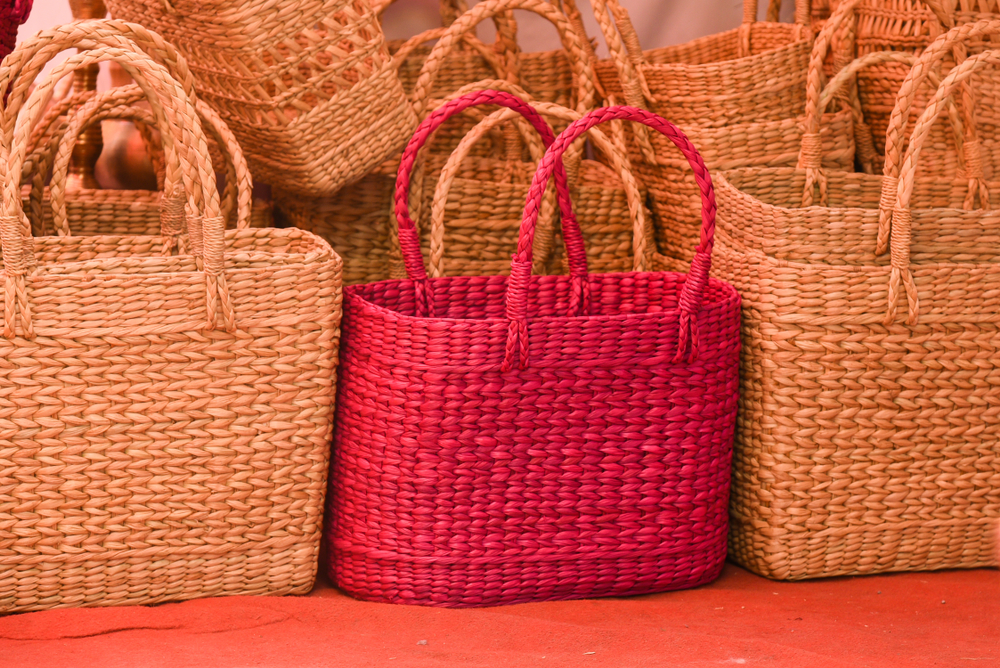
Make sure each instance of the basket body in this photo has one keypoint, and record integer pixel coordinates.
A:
(860, 447)
(308, 88)
(166, 460)
(12, 14)
(599, 469)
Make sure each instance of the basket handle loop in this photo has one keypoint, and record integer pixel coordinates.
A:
(409, 241)
(900, 236)
(15, 233)
(118, 103)
(952, 42)
(693, 292)
(583, 72)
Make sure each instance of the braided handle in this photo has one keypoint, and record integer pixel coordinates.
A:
(901, 276)
(580, 63)
(176, 109)
(951, 42)
(693, 292)
(409, 241)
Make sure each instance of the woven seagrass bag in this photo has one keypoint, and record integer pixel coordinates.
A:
(509, 439)
(181, 444)
(867, 439)
(358, 220)
(307, 87)
(99, 211)
(738, 95)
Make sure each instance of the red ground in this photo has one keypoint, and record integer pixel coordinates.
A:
(906, 620)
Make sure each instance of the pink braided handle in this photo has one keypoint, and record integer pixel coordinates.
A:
(693, 292)
(409, 241)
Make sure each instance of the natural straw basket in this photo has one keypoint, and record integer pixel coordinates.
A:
(505, 474)
(358, 221)
(865, 443)
(739, 96)
(181, 449)
(93, 211)
(307, 87)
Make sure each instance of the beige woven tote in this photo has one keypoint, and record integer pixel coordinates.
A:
(92, 211)
(180, 448)
(307, 87)
(358, 221)
(739, 96)
(867, 438)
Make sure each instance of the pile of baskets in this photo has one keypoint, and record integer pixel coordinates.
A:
(491, 352)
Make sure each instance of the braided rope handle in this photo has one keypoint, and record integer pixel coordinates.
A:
(900, 236)
(409, 241)
(580, 63)
(453, 166)
(19, 116)
(606, 146)
(810, 155)
(951, 42)
(693, 292)
(119, 101)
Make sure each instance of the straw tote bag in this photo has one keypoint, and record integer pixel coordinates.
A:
(358, 221)
(182, 445)
(738, 95)
(308, 88)
(477, 205)
(580, 451)
(98, 211)
(867, 437)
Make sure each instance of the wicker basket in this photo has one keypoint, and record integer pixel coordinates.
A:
(93, 211)
(739, 96)
(182, 447)
(867, 438)
(357, 221)
(505, 475)
(307, 87)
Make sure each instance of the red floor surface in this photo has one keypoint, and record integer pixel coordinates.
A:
(912, 620)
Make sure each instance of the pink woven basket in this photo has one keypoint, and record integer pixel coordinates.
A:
(503, 440)
(12, 14)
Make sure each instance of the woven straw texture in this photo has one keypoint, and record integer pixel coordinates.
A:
(358, 220)
(485, 457)
(739, 95)
(91, 211)
(181, 444)
(307, 87)
(867, 437)
(911, 25)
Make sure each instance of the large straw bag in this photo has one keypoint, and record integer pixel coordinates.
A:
(560, 436)
(739, 95)
(98, 211)
(358, 220)
(865, 443)
(181, 446)
(308, 87)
